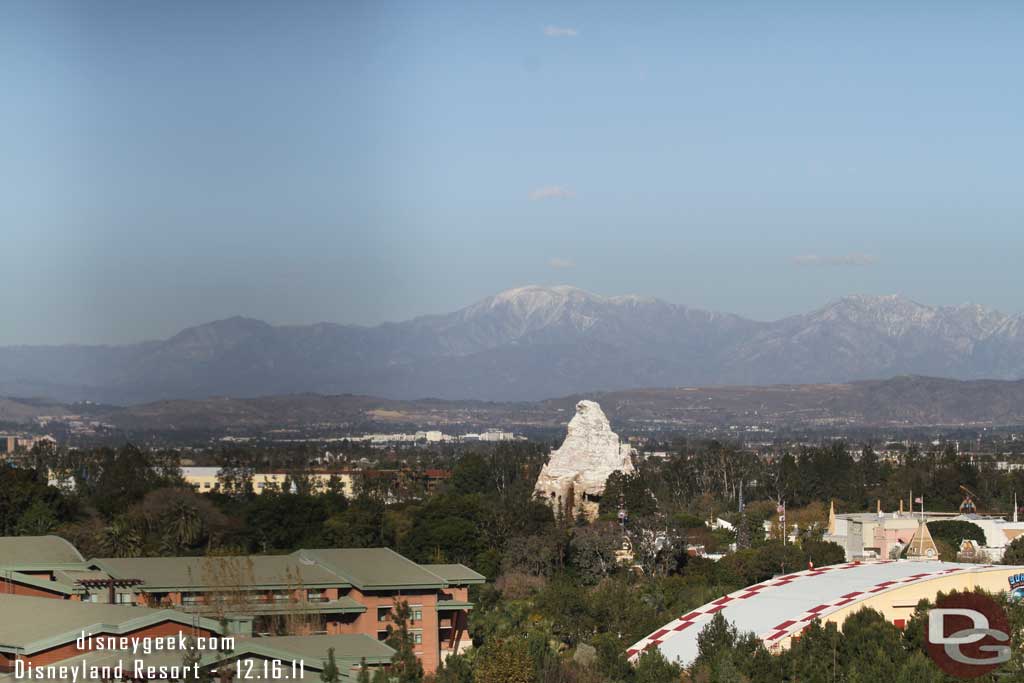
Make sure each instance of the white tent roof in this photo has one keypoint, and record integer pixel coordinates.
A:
(786, 604)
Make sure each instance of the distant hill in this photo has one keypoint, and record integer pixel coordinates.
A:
(530, 343)
(897, 402)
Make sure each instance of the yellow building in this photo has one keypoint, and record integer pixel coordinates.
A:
(205, 480)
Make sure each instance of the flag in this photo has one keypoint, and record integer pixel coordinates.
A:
(918, 500)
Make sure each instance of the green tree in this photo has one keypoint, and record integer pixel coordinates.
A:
(718, 635)
(633, 490)
(25, 491)
(472, 474)
(872, 644)
(38, 520)
(121, 538)
(815, 656)
(191, 660)
(405, 665)
(182, 527)
(823, 553)
(124, 476)
(652, 667)
(506, 661)
(364, 672)
(592, 551)
(953, 531)
(611, 659)
(1014, 552)
(917, 668)
(358, 526)
(448, 528)
(455, 669)
(331, 673)
(286, 521)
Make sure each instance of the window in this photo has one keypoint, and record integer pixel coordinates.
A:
(383, 614)
(316, 596)
(123, 598)
(417, 637)
(417, 613)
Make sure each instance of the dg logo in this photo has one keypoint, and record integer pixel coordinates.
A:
(968, 635)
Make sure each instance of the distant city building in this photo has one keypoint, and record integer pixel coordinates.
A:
(497, 436)
(432, 436)
(15, 443)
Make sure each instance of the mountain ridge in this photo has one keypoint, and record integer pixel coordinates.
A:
(531, 342)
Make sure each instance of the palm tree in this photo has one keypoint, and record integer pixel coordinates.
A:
(120, 538)
(183, 526)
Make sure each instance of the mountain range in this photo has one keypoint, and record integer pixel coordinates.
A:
(531, 343)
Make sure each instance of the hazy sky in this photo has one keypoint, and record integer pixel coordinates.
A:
(169, 163)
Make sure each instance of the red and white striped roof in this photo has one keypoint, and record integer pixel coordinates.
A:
(787, 604)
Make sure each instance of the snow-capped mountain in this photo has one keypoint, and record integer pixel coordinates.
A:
(533, 342)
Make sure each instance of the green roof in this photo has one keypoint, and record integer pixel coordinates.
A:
(455, 574)
(373, 568)
(226, 573)
(61, 585)
(31, 552)
(367, 568)
(449, 605)
(30, 624)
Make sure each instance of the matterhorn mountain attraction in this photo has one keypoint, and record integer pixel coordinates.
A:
(573, 480)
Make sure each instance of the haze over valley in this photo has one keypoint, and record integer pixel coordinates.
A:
(529, 344)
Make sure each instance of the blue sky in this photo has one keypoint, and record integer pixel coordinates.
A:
(167, 164)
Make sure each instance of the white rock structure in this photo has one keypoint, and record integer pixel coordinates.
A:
(573, 480)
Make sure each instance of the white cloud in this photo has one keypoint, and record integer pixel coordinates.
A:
(560, 32)
(852, 259)
(551, 192)
(560, 263)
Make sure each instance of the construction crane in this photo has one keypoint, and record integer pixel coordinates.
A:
(968, 506)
